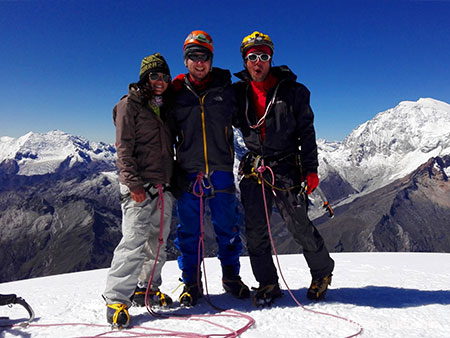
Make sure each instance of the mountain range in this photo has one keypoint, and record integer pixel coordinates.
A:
(396, 169)
(387, 181)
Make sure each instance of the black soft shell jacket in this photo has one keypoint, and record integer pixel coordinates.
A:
(203, 124)
(289, 123)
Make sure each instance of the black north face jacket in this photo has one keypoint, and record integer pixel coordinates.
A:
(289, 123)
(203, 124)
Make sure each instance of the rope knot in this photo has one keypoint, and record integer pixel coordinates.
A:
(198, 182)
(261, 168)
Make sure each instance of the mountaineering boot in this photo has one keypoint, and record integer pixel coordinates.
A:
(266, 294)
(233, 284)
(319, 287)
(117, 315)
(190, 295)
(155, 298)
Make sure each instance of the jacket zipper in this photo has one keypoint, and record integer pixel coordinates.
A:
(202, 108)
(205, 149)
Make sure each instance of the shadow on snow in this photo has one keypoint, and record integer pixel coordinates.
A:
(388, 297)
(371, 296)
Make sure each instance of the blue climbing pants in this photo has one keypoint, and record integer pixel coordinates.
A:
(219, 192)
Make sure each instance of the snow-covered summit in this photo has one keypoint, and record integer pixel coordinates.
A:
(387, 294)
(391, 145)
(408, 126)
(39, 154)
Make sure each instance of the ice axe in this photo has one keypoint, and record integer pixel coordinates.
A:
(13, 299)
(325, 204)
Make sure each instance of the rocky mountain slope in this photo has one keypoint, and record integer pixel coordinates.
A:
(410, 214)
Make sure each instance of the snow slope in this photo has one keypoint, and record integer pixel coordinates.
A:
(388, 294)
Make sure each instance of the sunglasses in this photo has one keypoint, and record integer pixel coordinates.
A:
(156, 77)
(254, 57)
(199, 57)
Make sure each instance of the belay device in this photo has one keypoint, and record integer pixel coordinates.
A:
(13, 299)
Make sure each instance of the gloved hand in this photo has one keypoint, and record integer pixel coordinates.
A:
(312, 181)
(138, 195)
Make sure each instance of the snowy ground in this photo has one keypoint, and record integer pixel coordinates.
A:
(388, 294)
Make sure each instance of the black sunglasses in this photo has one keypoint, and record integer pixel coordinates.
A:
(199, 57)
(262, 57)
(156, 76)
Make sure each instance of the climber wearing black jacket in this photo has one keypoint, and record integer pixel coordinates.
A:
(276, 122)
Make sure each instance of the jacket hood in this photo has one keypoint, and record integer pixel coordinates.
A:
(280, 72)
(134, 93)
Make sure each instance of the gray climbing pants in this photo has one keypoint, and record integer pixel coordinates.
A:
(134, 257)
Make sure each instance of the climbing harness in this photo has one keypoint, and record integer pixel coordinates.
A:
(204, 182)
(256, 162)
(253, 161)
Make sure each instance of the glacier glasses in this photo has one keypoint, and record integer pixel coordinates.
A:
(199, 57)
(156, 77)
(252, 57)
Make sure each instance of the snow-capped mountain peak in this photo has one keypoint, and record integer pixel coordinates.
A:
(410, 125)
(391, 145)
(39, 154)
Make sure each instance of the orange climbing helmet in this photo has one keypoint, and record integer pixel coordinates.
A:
(198, 41)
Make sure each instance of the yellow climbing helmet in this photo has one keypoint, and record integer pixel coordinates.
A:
(255, 39)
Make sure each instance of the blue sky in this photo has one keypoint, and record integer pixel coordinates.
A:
(64, 64)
